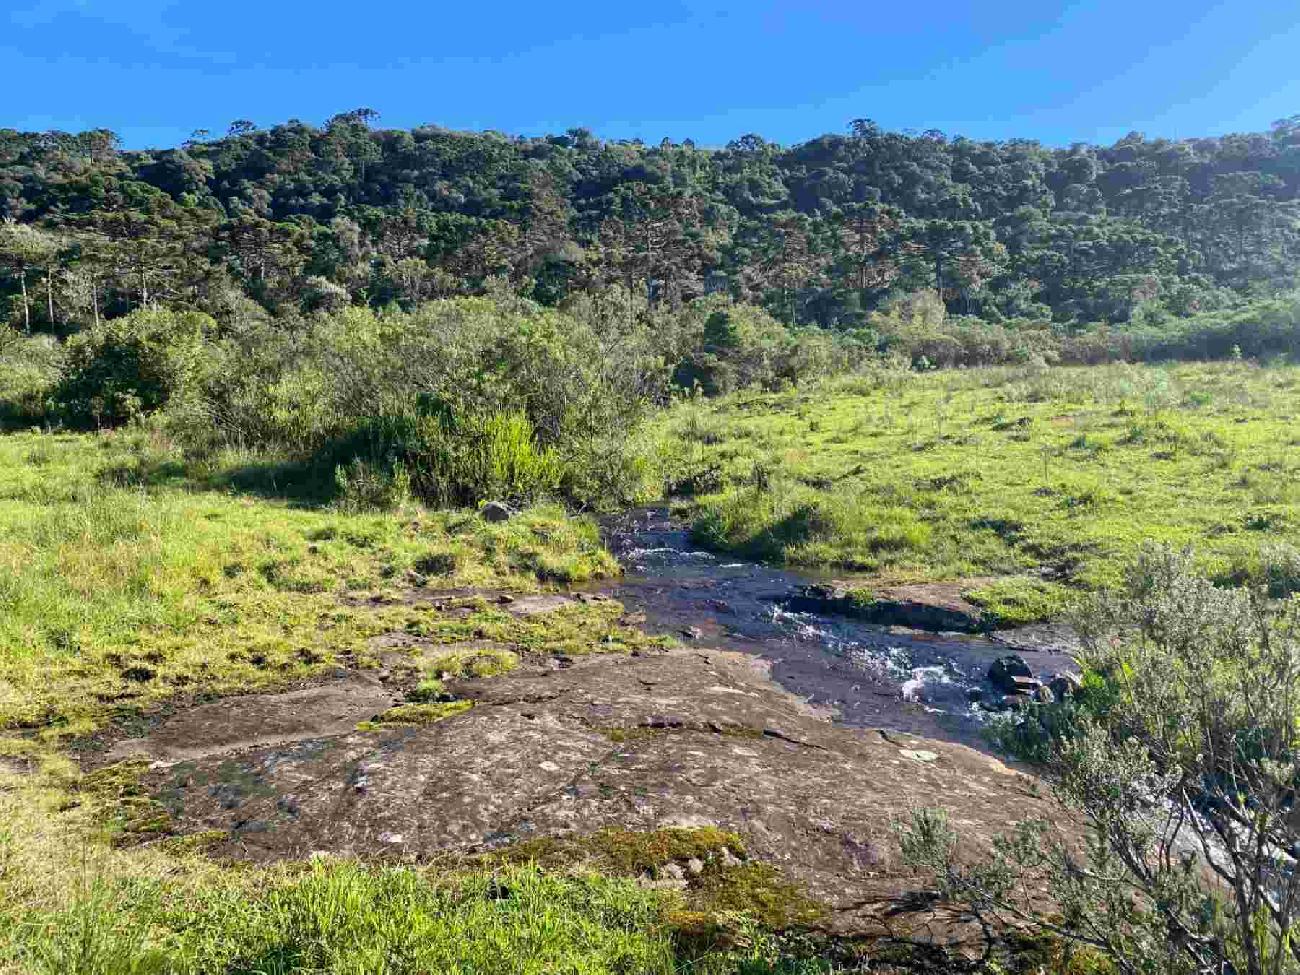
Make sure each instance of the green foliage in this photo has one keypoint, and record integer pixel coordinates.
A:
(482, 662)
(349, 919)
(30, 371)
(132, 366)
(798, 526)
(300, 219)
(116, 592)
(1181, 757)
(442, 460)
(454, 403)
(416, 715)
(741, 346)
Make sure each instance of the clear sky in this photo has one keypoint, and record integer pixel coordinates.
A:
(155, 70)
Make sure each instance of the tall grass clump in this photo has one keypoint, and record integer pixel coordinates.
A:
(443, 460)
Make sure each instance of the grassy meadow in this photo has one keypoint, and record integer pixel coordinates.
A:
(1045, 480)
(131, 577)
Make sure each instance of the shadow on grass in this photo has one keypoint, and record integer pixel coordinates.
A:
(306, 484)
(303, 484)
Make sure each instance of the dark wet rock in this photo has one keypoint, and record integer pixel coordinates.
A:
(496, 511)
(923, 606)
(13, 766)
(1005, 672)
(1040, 638)
(836, 658)
(693, 633)
(1024, 685)
(689, 737)
(1065, 685)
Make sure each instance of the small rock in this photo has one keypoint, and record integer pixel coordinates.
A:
(496, 511)
(673, 870)
(918, 754)
(1044, 695)
(974, 694)
(1004, 670)
(729, 859)
(505, 599)
(693, 633)
(1013, 702)
(695, 866)
(1066, 685)
(660, 721)
(1025, 685)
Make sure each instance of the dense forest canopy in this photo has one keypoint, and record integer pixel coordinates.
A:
(300, 218)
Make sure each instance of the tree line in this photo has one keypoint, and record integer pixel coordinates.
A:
(299, 218)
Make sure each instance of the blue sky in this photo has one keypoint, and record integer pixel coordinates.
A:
(154, 70)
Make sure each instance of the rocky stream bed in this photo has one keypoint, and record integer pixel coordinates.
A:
(807, 735)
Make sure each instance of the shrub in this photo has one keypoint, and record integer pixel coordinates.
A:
(30, 371)
(1182, 757)
(442, 460)
(131, 366)
(740, 346)
(472, 398)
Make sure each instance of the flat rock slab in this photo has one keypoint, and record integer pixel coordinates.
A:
(1041, 638)
(687, 737)
(259, 720)
(924, 606)
(461, 601)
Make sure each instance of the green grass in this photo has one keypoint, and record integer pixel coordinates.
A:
(416, 715)
(115, 596)
(1016, 601)
(990, 472)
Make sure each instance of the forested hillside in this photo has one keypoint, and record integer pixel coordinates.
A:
(303, 218)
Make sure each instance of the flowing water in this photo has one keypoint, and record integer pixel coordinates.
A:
(874, 676)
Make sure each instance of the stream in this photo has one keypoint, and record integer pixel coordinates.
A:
(914, 681)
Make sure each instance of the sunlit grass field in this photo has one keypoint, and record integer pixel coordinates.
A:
(1051, 476)
(118, 587)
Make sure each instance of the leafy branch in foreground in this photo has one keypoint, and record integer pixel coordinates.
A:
(1182, 758)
